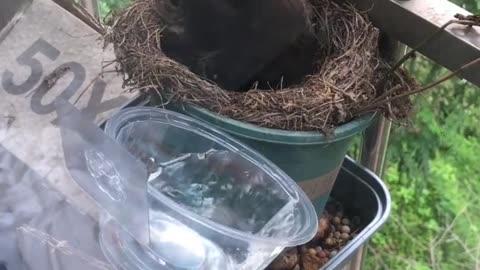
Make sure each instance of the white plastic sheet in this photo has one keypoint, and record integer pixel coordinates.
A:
(46, 221)
(39, 228)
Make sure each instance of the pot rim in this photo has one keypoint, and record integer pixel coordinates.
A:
(278, 136)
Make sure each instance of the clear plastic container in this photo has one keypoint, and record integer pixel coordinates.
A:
(213, 202)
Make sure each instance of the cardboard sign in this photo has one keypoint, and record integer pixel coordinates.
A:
(47, 55)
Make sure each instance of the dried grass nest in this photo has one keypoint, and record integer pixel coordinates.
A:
(340, 90)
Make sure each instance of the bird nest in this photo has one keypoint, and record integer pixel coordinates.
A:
(344, 83)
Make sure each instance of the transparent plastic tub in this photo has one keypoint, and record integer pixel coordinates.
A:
(213, 202)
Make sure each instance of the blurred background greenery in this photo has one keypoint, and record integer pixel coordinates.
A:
(433, 173)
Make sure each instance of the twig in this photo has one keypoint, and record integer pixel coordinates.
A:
(378, 258)
(450, 226)
(477, 263)
(88, 86)
(468, 251)
(436, 241)
(51, 79)
(408, 234)
(433, 259)
(470, 21)
(463, 20)
(389, 92)
(424, 88)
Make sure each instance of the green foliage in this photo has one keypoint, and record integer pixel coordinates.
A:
(433, 176)
(106, 6)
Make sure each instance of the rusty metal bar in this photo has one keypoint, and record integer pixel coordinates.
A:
(91, 6)
(8, 11)
(411, 21)
(81, 13)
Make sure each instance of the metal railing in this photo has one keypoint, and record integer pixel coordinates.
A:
(411, 21)
(91, 6)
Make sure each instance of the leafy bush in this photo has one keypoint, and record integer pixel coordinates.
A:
(106, 6)
(433, 175)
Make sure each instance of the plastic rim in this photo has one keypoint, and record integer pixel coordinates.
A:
(247, 130)
(310, 221)
(124, 252)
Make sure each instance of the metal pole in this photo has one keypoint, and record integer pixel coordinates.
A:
(91, 6)
(80, 12)
(9, 9)
(374, 145)
(372, 156)
(375, 139)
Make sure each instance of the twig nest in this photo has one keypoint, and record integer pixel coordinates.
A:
(344, 78)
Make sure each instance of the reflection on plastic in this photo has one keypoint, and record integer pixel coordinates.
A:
(108, 173)
(39, 228)
(61, 247)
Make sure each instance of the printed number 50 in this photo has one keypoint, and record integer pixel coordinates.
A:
(36, 69)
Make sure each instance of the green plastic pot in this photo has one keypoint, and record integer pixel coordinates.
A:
(310, 158)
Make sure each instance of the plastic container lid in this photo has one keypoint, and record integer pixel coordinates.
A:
(237, 206)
